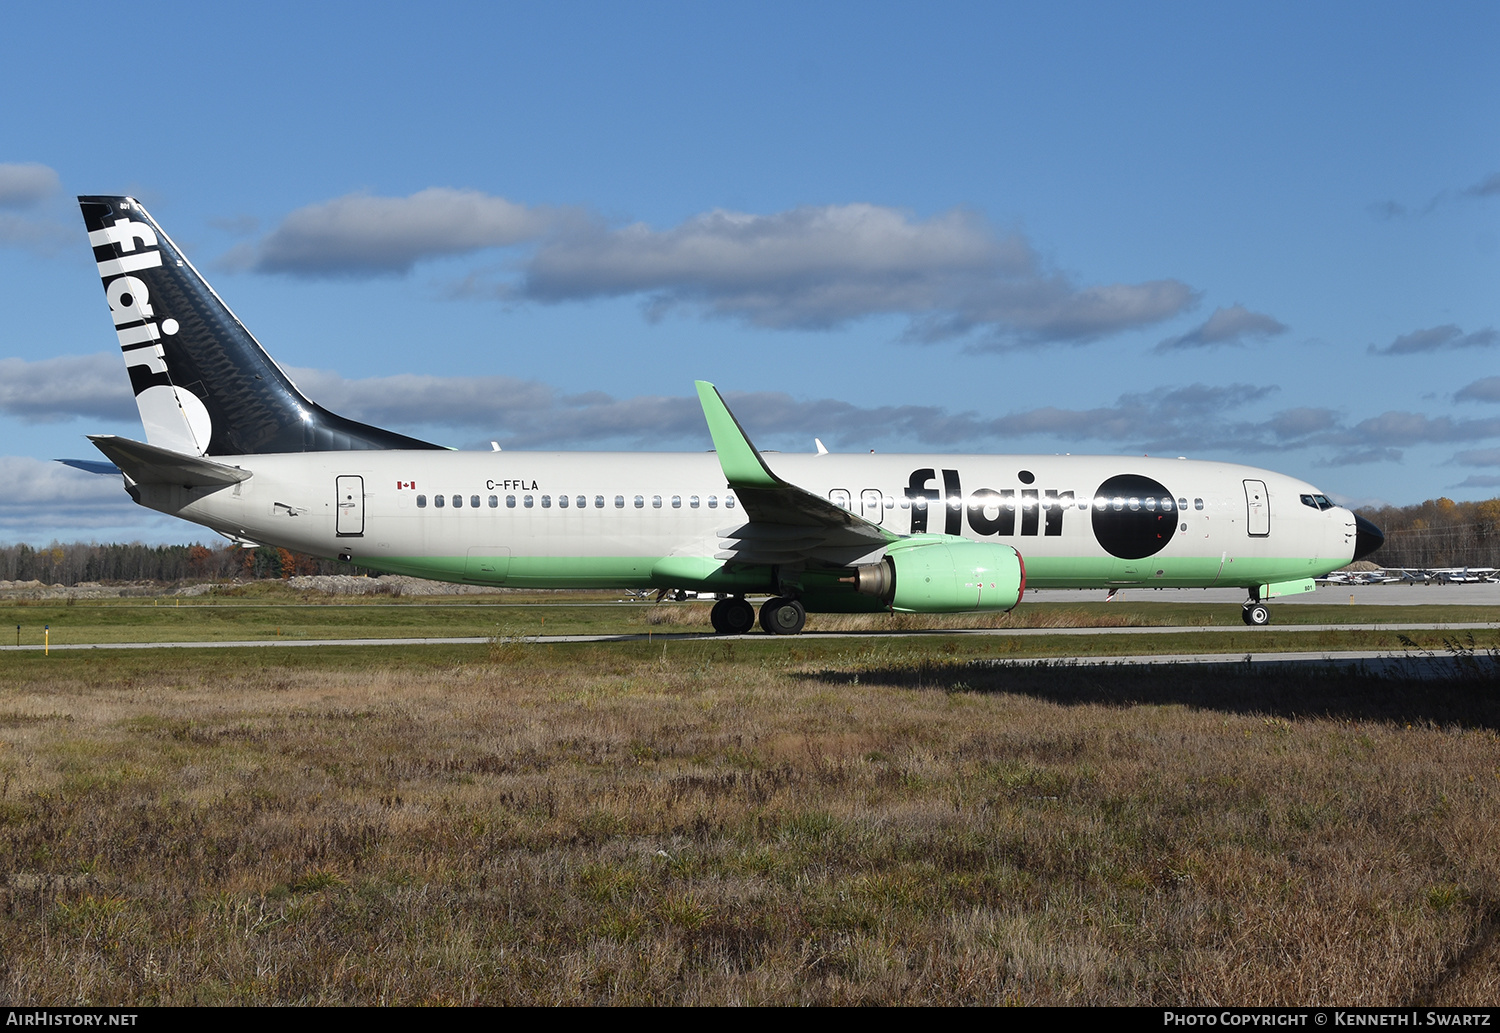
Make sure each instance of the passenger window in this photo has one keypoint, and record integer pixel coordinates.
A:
(640, 502)
(890, 503)
(1182, 504)
(598, 501)
(582, 502)
(437, 501)
(546, 501)
(458, 502)
(527, 501)
(692, 502)
(713, 502)
(676, 501)
(728, 501)
(510, 502)
(1197, 503)
(562, 502)
(619, 501)
(421, 501)
(655, 501)
(905, 503)
(494, 502)
(474, 501)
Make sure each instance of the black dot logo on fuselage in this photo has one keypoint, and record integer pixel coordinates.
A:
(1134, 516)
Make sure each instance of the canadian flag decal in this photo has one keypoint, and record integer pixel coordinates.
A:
(401, 485)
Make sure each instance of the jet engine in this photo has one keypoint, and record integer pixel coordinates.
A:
(944, 574)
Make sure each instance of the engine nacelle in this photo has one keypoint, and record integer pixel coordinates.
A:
(943, 574)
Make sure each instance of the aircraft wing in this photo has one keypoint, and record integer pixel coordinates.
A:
(787, 524)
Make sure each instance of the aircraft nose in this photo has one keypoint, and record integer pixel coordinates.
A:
(1367, 537)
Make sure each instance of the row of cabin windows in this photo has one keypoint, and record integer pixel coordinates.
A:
(564, 501)
(1119, 502)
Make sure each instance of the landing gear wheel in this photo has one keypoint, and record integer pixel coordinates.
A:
(783, 616)
(1255, 614)
(732, 616)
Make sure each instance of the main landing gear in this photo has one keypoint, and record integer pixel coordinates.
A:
(780, 616)
(783, 616)
(1255, 613)
(732, 616)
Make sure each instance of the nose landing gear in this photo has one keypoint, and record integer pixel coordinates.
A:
(1255, 613)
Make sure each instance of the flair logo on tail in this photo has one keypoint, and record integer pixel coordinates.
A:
(129, 297)
(128, 251)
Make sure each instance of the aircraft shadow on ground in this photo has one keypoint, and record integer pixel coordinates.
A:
(1460, 688)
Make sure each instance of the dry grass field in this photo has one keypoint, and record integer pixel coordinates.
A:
(741, 822)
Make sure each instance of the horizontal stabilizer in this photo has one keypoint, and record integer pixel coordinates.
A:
(90, 466)
(152, 464)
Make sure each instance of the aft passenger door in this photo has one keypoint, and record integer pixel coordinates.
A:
(350, 522)
(1258, 509)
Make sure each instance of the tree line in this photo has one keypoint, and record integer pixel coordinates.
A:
(1438, 533)
(89, 561)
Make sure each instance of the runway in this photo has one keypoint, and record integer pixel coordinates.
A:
(1483, 594)
(761, 637)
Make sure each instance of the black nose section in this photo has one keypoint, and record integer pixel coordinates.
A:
(1367, 537)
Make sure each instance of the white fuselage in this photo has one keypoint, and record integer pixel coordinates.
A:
(627, 513)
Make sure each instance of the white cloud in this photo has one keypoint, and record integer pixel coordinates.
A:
(813, 267)
(1439, 338)
(820, 267)
(25, 184)
(1486, 389)
(1235, 325)
(1410, 428)
(66, 387)
(360, 235)
(1479, 457)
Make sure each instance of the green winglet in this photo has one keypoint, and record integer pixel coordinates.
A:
(743, 467)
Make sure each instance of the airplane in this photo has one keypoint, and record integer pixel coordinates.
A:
(1443, 575)
(233, 445)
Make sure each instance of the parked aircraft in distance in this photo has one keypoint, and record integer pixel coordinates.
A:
(1417, 575)
(232, 444)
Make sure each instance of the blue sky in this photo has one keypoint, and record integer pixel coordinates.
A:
(1268, 234)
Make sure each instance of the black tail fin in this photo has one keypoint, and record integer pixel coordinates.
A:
(203, 384)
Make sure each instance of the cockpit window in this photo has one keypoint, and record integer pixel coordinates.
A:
(1318, 502)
